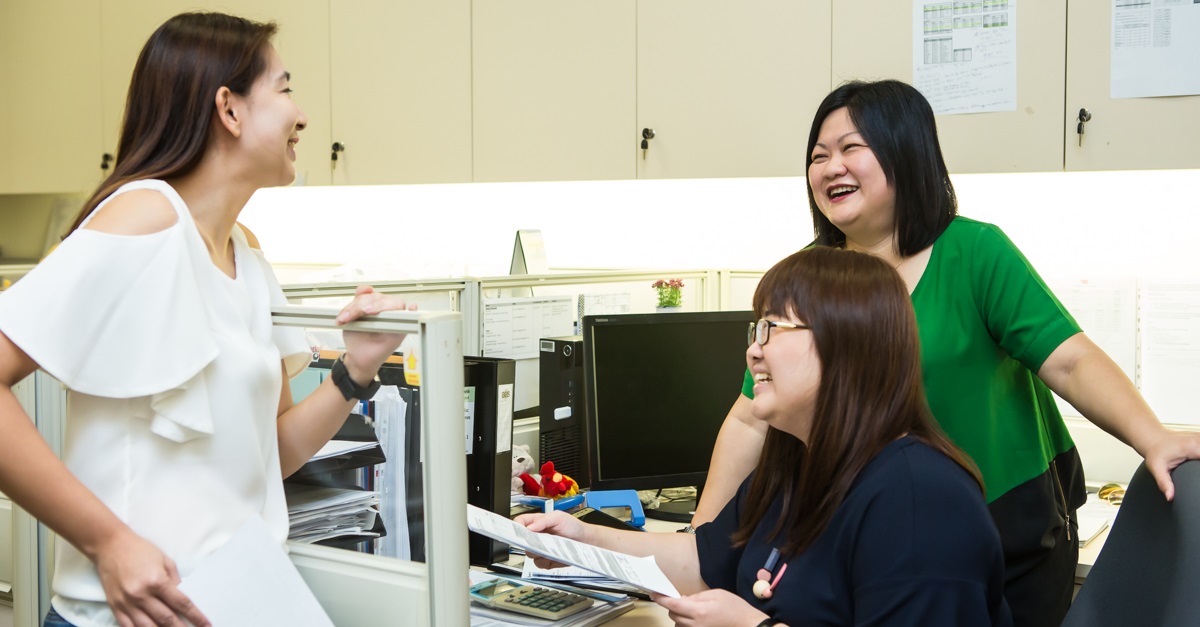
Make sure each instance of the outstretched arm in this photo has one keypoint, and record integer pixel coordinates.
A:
(1080, 372)
(735, 455)
(306, 427)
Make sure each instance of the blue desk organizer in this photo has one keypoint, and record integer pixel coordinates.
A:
(600, 499)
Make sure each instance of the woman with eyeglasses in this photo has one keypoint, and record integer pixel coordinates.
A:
(859, 511)
(994, 339)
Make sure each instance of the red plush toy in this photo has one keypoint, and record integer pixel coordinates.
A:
(553, 484)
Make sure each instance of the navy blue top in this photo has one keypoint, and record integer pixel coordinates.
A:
(912, 544)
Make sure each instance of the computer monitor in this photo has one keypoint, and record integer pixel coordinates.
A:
(656, 389)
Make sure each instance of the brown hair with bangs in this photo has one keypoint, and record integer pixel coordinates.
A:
(870, 394)
(171, 103)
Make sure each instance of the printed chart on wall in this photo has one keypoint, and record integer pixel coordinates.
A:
(1155, 44)
(513, 326)
(1169, 313)
(1106, 310)
(965, 55)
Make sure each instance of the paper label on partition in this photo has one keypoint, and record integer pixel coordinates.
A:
(1169, 359)
(469, 414)
(513, 326)
(504, 417)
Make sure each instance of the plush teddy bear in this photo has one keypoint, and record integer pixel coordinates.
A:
(522, 464)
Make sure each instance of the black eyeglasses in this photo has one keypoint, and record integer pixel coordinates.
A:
(761, 331)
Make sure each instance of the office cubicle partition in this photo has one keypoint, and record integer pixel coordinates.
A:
(361, 589)
(354, 588)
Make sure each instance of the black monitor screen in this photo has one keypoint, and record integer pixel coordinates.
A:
(657, 388)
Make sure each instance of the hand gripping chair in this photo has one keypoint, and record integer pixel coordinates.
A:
(1148, 572)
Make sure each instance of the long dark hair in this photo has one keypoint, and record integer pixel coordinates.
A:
(170, 107)
(898, 124)
(870, 393)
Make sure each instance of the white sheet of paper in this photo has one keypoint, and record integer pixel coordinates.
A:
(251, 582)
(333, 448)
(965, 55)
(642, 572)
(1154, 48)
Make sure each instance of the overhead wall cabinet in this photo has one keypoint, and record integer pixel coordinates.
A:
(567, 91)
(1063, 54)
(1128, 133)
(400, 91)
(50, 130)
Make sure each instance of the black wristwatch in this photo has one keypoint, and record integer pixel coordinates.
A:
(347, 386)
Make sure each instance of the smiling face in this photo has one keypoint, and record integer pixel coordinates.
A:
(787, 375)
(273, 122)
(847, 182)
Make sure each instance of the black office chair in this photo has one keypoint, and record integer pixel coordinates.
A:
(1148, 572)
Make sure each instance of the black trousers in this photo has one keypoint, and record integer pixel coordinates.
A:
(1041, 548)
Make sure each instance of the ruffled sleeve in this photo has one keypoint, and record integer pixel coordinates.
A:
(112, 315)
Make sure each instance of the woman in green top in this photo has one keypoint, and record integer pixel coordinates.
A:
(994, 341)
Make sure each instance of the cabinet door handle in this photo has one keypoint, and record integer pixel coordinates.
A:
(1084, 116)
(336, 148)
(106, 160)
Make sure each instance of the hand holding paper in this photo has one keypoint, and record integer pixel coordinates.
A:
(642, 572)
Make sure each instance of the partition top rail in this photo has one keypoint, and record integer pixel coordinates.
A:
(326, 290)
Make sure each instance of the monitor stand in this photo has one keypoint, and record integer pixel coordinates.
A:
(678, 510)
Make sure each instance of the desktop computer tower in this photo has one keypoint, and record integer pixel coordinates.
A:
(562, 431)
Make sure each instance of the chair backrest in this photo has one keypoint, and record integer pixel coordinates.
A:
(1148, 572)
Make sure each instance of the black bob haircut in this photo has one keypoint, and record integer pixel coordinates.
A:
(898, 125)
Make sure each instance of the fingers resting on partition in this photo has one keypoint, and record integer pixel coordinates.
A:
(368, 302)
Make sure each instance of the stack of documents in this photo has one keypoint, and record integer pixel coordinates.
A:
(319, 513)
(1093, 518)
(333, 448)
(641, 572)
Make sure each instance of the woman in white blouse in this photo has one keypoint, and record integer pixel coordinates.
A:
(155, 313)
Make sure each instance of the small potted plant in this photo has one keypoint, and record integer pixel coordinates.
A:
(670, 294)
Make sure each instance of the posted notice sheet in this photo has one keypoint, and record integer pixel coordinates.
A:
(1155, 45)
(965, 55)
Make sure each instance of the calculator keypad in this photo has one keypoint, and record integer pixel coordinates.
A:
(540, 601)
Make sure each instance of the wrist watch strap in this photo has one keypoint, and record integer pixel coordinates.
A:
(346, 385)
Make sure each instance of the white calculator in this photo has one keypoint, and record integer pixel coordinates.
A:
(528, 599)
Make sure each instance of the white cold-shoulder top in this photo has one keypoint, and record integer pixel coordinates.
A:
(173, 372)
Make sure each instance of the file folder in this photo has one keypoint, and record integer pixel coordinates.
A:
(489, 384)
